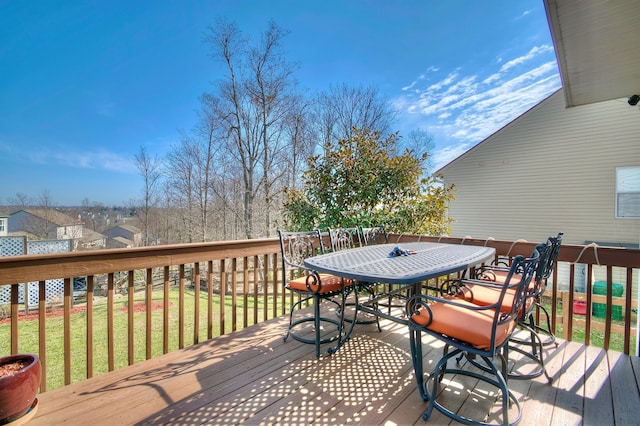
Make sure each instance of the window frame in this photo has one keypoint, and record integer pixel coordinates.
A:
(630, 172)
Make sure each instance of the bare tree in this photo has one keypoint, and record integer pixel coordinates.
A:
(251, 106)
(302, 142)
(149, 169)
(191, 170)
(345, 107)
(421, 143)
(21, 200)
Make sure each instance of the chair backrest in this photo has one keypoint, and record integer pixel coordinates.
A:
(548, 259)
(374, 235)
(522, 269)
(344, 238)
(553, 255)
(297, 246)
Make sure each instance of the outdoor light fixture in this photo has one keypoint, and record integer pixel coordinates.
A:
(633, 100)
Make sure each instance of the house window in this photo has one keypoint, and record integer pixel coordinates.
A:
(628, 192)
(1, 225)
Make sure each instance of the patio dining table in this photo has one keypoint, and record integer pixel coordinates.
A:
(378, 264)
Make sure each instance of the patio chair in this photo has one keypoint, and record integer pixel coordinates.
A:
(531, 347)
(482, 332)
(377, 235)
(374, 235)
(311, 286)
(344, 239)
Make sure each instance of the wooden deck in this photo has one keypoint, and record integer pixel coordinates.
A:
(253, 377)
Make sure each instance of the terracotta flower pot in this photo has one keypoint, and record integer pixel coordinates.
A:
(18, 390)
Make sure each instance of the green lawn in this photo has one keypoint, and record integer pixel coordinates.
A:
(616, 341)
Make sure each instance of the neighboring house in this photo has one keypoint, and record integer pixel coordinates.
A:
(4, 225)
(92, 240)
(121, 236)
(575, 170)
(46, 224)
(120, 242)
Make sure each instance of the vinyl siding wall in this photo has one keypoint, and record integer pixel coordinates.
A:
(550, 170)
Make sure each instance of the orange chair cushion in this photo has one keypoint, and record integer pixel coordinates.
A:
(484, 296)
(330, 283)
(473, 327)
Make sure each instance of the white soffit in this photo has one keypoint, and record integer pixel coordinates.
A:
(597, 45)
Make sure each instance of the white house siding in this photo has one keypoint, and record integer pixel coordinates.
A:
(552, 169)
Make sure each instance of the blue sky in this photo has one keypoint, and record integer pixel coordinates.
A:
(83, 85)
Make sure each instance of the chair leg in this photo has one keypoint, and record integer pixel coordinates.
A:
(415, 343)
(313, 336)
(316, 313)
(499, 380)
(291, 311)
(551, 340)
(533, 350)
(376, 320)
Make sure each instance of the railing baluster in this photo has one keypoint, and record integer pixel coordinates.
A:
(165, 313)
(42, 333)
(627, 310)
(110, 322)
(196, 302)
(210, 299)
(609, 308)
(275, 284)
(277, 271)
(234, 293)
(265, 265)
(568, 328)
(90, 284)
(256, 274)
(223, 285)
(149, 309)
(587, 330)
(67, 330)
(181, 308)
(14, 319)
(130, 317)
(245, 291)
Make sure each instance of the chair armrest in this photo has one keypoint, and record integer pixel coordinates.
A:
(461, 287)
(421, 301)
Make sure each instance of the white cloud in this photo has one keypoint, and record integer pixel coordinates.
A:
(534, 52)
(463, 109)
(445, 155)
(98, 160)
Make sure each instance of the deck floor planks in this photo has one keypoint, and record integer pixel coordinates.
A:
(232, 391)
(626, 397)
(569, 402)
(253, 377)
(538, 405)
(376, 377)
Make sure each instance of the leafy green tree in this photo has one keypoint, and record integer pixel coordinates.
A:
(363, 181)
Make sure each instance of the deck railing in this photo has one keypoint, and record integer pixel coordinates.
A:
(572, 311)
(221, 287)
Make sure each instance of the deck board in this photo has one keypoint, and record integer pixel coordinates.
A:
(252, 377)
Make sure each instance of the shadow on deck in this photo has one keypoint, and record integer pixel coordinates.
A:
(253, 377)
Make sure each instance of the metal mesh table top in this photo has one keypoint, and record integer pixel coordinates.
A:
(373, 263)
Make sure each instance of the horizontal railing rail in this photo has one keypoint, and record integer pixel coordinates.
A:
(191, 292)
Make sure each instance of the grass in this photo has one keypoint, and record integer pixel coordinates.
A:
(28, 333)
(596, 337)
